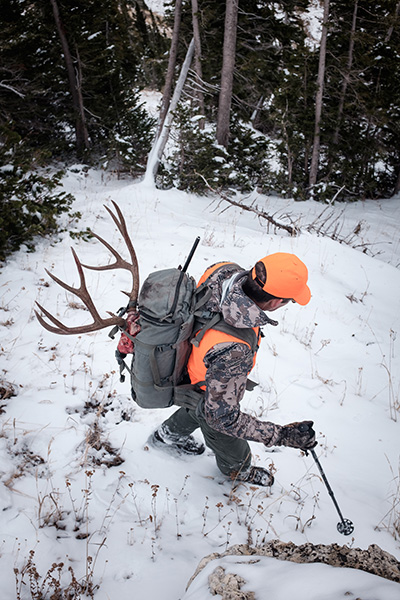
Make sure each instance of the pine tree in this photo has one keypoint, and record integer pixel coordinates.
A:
(108, 44)
(362, 156)
(69, 85)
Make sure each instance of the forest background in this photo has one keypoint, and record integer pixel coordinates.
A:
(269, 102)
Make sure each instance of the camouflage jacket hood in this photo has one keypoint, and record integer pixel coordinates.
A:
(228, 298)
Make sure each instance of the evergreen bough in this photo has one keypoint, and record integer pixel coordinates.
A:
(29, 207)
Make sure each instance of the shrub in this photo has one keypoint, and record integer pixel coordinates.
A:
(196, 159)
(29, 206)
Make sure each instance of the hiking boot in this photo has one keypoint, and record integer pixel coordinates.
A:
(256, 476)
(164, 439)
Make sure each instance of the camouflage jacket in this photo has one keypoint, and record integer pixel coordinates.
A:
(229, 363)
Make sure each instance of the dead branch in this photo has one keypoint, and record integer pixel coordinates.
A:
(292, 229)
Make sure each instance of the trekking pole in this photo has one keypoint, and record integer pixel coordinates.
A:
(345, 526)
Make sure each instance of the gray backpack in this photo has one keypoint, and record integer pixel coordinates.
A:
(171, 314)
(167, 303)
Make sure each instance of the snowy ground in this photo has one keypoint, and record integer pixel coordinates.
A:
(79, 481)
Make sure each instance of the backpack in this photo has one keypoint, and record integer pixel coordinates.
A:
(171, 315)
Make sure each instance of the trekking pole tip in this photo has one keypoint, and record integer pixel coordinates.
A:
(345, 527)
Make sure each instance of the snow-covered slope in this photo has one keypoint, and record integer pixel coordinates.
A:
(77, 477)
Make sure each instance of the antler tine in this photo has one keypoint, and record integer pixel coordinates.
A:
(120, 263)
(62, 329)
(83, 294)
(82, 291)
(121, 224)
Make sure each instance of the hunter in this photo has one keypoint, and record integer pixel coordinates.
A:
(220, 364)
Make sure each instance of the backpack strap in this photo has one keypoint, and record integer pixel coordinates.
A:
(247, 335)
(202, 325)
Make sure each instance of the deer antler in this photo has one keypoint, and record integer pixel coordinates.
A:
(82, 291)
(120, 263)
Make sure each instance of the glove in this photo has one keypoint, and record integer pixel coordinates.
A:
(298, 435)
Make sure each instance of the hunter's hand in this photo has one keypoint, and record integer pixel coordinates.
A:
(298, 435)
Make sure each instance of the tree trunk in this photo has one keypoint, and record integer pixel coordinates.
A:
(173, 52)
(159, 145)
(228, 64)
(197, 60)
(287, 145)
(346, 77)
(256, 111)
(397, 184)
(319, 96)
(391, 28)
(81, 133)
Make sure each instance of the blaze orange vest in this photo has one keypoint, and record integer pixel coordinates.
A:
(196, 367)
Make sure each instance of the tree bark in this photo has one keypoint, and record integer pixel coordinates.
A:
(397, 185)
(391, 28)
(256, 111)
(173, 53)
(318, 99)
(159, 145)
(81, 133)
(197, 60)
(228, 64)
(346, 77)
(387, 40)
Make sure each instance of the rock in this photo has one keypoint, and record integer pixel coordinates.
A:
(228, 585)
(373, 560)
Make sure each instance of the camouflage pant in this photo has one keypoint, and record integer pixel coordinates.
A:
(232, 454)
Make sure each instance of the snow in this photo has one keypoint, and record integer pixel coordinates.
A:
(313, 18)
(148, 521)
(156, 6)
(7, 169)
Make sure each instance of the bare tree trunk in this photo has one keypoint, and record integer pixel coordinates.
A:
(197, 59)
(319, 96)
(387, 40)
(173, 52)
(228, 64)
(81, 133)
(288, 149)
(256, 111)
(346, 77)
(397, 186)
(391, 28)
(159, 145)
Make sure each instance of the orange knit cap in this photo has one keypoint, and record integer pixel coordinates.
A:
(286, 277)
